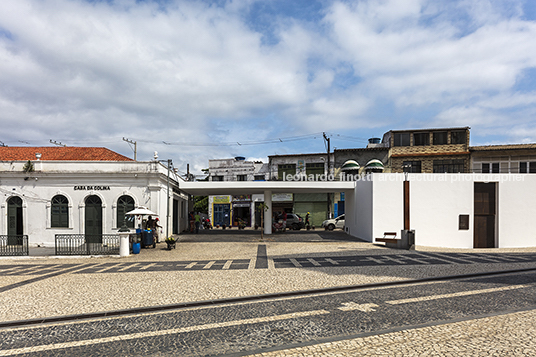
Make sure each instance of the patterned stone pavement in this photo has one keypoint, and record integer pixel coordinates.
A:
(208, 269)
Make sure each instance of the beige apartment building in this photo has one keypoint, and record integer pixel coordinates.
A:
(443, 150)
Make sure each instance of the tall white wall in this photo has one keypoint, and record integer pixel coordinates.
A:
(388, 204)
(437, 200)
(359, 222)
(517, 211)
(435, 207)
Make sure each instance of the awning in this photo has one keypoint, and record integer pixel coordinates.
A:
(350, 165)
(374, 164)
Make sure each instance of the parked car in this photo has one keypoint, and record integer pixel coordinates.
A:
(294, 221)
(331, 224)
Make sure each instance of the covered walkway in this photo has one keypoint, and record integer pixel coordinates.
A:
(206, 188)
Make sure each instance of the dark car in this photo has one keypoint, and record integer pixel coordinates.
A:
(295, 222)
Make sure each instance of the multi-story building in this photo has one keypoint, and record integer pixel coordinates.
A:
(229, 210)
(517, 158)
(429, 150)
(312, 167)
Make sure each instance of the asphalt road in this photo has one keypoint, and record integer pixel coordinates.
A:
(256, 326)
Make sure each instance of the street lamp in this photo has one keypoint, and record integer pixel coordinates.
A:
(169, 163)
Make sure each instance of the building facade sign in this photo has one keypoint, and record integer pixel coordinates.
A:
(90, 188)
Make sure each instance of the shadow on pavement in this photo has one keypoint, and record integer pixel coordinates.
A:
(251, 235)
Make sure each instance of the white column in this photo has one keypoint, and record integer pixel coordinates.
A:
(268, 212)
(124, 247)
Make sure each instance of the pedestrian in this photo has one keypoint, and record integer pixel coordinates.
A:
(157, 228)
(307, 224)
(197, 219)
(191, 218)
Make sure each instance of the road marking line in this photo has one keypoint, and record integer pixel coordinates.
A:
(128, 266)
(108, 268)
(393, 259)
(296, 263)
(191, 265)
(314, 262)
(435, 257)
(450, 259)
(147, 266)
(478, 256)
(227, 265)
(209, 264)
(145, 334)
(329, 260)
(377, 261)
(416, 260)
(462, 293)
(350, 306)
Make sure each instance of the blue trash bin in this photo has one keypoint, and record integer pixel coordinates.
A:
(147, 239)
(136, 247)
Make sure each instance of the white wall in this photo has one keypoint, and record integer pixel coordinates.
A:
(437, 200)
(388, 204)
(435, 207)
(358, 220)
(517, 211)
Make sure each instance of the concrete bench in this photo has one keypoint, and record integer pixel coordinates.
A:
(391, 241)
(385, 238)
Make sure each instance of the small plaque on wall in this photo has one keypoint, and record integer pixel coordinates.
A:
(463, 222)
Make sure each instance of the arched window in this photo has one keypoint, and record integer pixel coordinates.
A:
(59, 211)
(124, 205)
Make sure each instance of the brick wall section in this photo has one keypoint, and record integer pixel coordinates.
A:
(427, 162)
(428, 153)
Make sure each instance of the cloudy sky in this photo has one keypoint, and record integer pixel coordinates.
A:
(197, 80)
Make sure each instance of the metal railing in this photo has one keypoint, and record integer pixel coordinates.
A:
(13, 245)
(85, 244)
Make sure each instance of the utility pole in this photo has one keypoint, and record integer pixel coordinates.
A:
(329, 160)
(328, 173)
(135, 143)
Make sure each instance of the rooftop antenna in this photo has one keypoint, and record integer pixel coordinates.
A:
(57, 143)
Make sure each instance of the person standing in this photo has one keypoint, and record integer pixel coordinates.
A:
(307, 224)
(156, 231)
(191, 218)
(197, 219)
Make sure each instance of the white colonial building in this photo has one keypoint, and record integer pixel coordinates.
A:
(83, 190)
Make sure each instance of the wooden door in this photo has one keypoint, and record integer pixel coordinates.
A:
(93, 219)
(14, 220)
(484, 214)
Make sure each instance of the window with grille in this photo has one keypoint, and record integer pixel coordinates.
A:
(458, 137)
(440, 138)
(412, 166)
(450, 166)
(421, 139)
(59, 212)
(124, 204)
(402, 139)
(285, 169)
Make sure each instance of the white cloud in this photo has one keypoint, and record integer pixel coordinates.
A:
(191, 72)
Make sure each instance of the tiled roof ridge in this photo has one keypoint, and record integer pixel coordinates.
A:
(66, 153)
(502, 146)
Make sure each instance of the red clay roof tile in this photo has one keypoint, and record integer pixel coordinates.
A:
(68, 153)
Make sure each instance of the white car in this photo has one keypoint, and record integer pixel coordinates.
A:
(331, 224)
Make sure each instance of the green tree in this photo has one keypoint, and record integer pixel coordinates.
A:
(201, 204)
